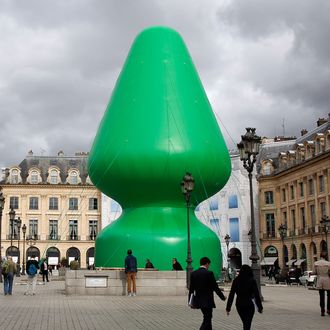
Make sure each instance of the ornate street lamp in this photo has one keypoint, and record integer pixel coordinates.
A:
(187, 186)
(11, 219)
(249, 149)
(19, 223)
(23, 264)
(325, 225)
(227, 240)
(282, 230)
(2, 204)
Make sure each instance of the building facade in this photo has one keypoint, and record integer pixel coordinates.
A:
(294, 195)
(57, 204)
(228, 213)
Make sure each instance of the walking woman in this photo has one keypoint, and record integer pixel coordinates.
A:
(245, 287)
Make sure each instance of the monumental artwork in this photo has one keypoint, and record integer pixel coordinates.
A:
(158, 125)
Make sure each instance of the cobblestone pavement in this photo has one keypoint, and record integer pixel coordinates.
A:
(284, 308)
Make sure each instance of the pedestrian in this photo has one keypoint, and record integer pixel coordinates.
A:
(270, 273)
(246, 289)
(9, 270)
(176, 265)
(50, 270)
(149, 264)
(74, 264)
(322, 270)
(130, 271)
(202, 285)
(44, 270)
(32, 267)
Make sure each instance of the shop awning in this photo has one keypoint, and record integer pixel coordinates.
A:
(291, 262)
(299, 262)
(268, 261)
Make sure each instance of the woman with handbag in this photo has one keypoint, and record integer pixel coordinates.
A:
(246, 289)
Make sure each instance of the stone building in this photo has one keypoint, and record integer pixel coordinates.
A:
(294, 192)
(60, 207)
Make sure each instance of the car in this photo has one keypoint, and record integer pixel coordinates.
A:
(307, 278)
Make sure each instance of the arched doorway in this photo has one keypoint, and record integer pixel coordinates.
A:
(313, 253)
(13, 251)
(235, 257)
(302, 260)
(32, 251)
(73, 253)
(285, 254)
(53, 256)
(90, 257)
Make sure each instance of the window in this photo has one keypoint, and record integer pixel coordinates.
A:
(53, 229)
(73, 229)
(33, 203)
(215, 225)
(213, 204)
(234, 229)
(233, 202)
(73, 203)
(285, 219)
(293, 219)
(92, 229)
(303, 217)
(73, 177)
(321, 183)
(33, 228)
(292, 192)
(312, 214)
(269, 198)
(13, 203)
(283, 195)
(34, 177)
(14, 177)
(311, 186)
(301, 188)
(93, 204)
(270, 224)
(323, 209)
(53, 203)
(53, 177)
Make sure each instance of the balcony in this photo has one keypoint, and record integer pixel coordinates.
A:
(53, 237)
(268, 235)
(292, 232)
(73, 238)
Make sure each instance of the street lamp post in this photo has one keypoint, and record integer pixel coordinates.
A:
(2, 204)
(282, 230)
(325, 225)
(227, 240)
(187, 186)
(249, 149)
(12, 219)
(23, 264)
(19, 223)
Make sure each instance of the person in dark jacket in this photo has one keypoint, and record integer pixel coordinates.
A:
(202, 285)
(44, 270)
(246, 289)
(176, 265)
(32, 267)
(131, 270)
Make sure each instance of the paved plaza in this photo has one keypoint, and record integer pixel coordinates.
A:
(284, 308)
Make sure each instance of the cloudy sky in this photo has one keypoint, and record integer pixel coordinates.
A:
(263, 64)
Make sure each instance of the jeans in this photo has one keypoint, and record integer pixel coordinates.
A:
(8, 283)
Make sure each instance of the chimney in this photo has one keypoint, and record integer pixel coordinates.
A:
(303, 131)
(321, 121)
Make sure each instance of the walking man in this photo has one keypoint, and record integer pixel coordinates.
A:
(322, 270)
(32, 267)
(131, 270)
(9, 276)
(202, 285)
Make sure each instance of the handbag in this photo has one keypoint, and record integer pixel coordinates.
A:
(192, 301)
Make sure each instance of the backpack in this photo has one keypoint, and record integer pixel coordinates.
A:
(5, 268)
(32, 269)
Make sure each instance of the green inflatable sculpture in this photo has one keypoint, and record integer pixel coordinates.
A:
(158, 125)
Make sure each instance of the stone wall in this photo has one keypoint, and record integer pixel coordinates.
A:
(113, 282)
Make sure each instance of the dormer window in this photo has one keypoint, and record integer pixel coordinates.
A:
(53, 176)
(15, 176)
(73, 177)
(34, 176)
